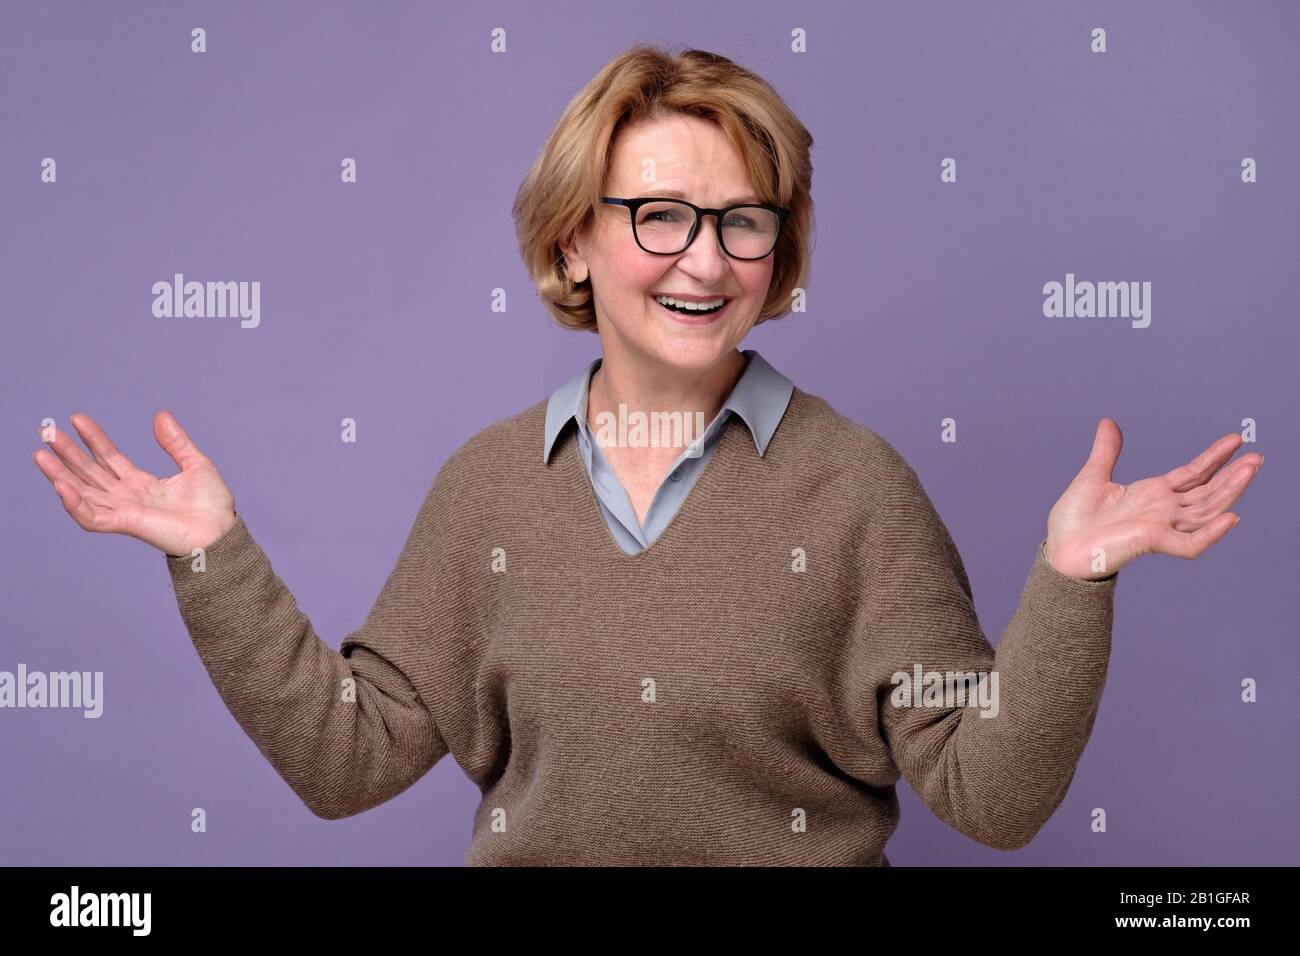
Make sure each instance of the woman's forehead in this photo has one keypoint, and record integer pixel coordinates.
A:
(679, 161)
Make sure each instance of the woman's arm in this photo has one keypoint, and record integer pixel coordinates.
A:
(346, 733)
(997, 770)
(997, 767)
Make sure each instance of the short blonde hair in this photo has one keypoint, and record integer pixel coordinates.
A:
(562, 189)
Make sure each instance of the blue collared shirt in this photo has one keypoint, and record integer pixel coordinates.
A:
(759, 399)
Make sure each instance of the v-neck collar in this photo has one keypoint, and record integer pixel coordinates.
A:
(701, 493)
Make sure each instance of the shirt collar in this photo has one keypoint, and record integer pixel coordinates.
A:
(759, 397)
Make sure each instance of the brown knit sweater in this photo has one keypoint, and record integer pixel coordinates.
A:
(724, 697)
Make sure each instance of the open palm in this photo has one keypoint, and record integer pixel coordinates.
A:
(108, 494)
(1098, 525)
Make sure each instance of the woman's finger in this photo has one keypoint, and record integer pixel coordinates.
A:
(1193, 544)
(100, 445)
(1223, 498)
(176, 441)
(69, 489)
(1247, 464)
(1199, 469)
(55, 470)
(78, 462)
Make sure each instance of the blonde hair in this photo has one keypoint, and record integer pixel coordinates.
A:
(563, 186)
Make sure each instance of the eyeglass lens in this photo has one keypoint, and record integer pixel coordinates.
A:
(748, 232)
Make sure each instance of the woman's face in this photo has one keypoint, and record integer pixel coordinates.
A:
(693, 157)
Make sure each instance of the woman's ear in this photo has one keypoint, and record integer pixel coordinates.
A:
(575, 266)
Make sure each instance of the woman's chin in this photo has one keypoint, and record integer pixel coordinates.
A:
(692, 352)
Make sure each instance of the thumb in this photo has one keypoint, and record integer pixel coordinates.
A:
(175, 441)
(1106, 446)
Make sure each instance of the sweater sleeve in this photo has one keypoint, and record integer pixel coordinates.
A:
(996, 766)
(347, 731)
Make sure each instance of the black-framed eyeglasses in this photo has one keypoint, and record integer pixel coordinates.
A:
(667, 227)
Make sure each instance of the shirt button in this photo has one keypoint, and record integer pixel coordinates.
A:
(676, 474)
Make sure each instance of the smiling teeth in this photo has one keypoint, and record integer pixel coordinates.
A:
(692, 306)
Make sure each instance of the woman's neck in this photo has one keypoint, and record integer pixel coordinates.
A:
(656, 388)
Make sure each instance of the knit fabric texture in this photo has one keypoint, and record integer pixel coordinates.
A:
(726, 697)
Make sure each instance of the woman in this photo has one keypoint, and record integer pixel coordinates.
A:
(715, 648)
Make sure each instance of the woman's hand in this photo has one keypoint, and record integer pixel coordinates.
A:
(108, 494)
(1181, 512)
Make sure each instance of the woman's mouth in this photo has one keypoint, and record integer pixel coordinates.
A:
(692, 318)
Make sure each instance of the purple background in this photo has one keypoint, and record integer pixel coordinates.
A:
(925, 302)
